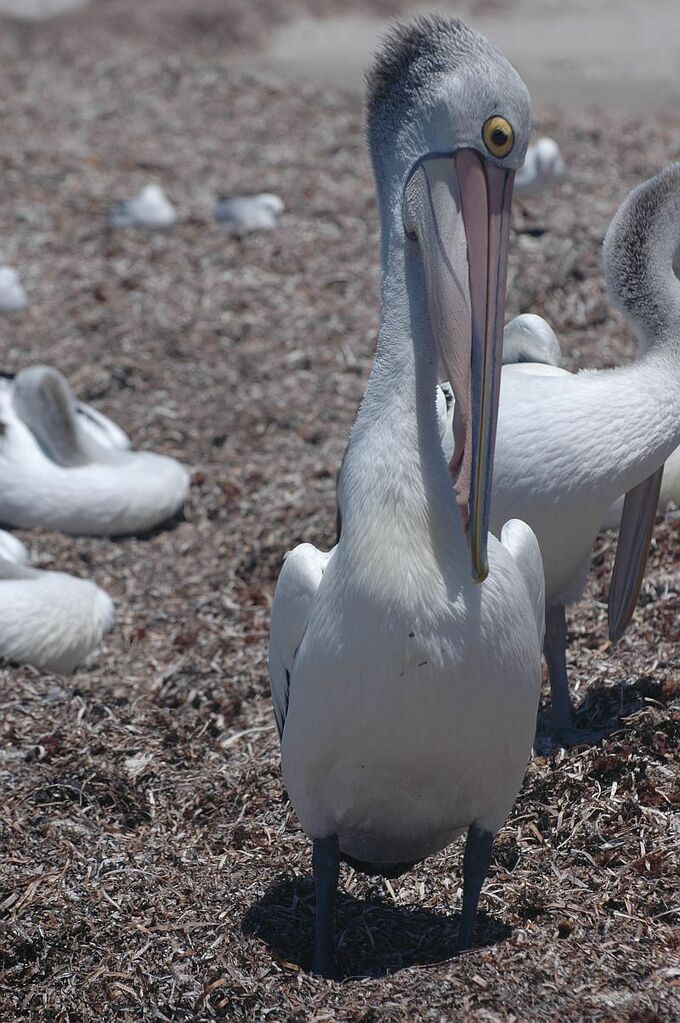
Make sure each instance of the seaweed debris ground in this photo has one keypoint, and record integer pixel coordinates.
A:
(150, 865)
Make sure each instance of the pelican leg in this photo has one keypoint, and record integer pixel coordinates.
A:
(555, 649)
(476, 862)
(326, 871)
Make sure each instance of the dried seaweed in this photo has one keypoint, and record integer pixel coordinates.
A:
(151, 867)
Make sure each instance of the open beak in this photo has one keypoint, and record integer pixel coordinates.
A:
(635, 535)
(458, 209)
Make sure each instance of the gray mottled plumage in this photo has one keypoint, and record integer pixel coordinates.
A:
(639, 251)
(414, 56)
(415, 52)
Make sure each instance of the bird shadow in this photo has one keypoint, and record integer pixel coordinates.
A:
(603, 710)
(168, 525)
(374, 936)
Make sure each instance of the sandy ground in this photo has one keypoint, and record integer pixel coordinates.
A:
(150, 866)
(37, 9)
(574, 53)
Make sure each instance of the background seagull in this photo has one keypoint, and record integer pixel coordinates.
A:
(13, 298)
(542, 168)
(242, 214)
(150, 209)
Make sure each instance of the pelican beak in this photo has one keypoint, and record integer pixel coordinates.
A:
(457, 208)
(632, 549)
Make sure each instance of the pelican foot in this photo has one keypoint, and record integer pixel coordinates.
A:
(573, 736)
(568, 736)
(324, 966)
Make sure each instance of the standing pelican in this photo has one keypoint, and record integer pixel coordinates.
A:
(568, 445)
(405, 693)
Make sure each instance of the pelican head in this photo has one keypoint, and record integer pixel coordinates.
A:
(448, 126)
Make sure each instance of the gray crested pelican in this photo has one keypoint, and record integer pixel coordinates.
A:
(405, 691)
(570, 444)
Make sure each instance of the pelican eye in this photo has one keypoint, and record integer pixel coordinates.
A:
(499, 138)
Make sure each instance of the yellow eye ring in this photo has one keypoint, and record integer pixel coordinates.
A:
(498, 135)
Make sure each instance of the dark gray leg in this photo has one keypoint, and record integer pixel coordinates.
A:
(326, 870)
(555, 650)
(476, 862)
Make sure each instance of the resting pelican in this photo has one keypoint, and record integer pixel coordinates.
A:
(405, 693)
(543, 166)
(568, 445)
(150, 209)
(65, 466)
(12, 295)
(241, 214)
(48, 619)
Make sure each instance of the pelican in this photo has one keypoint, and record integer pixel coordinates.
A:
(570, 444)
(241, 214)
(65, 466)
(542, 167)
(529, 340)
(404, 690)
(12, 295)
(48, 619)
(150, 209)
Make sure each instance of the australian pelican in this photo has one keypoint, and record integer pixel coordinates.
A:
(405, 690)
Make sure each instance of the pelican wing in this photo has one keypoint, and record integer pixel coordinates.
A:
(520, 540)
(101, 428)
(635, 536)
(296, 589)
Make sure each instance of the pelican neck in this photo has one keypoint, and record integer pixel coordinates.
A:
(394, 469)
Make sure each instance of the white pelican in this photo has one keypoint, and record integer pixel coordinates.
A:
(568, 445)
(150, 209)
(241, 214)
(405, 692)
(64, 466)
(542, 167)
(530, 340)
(101, 428)
(12, 295)
(48, 619)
